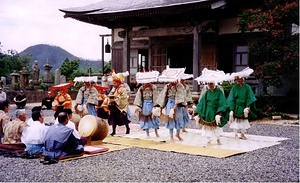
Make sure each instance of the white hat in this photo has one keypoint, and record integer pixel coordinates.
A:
(211, 76)
(147, 77)
(245, 73)
(171, 74)
(186, 76)
(85, 79)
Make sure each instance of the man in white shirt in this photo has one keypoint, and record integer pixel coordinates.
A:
(33, 135)
(2, 95)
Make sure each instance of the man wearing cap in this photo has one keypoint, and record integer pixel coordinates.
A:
(14, 129)
(88, 96)
(60, 141)
(20, 100)
(2, 95)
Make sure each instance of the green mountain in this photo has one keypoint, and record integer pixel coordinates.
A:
(56, 57)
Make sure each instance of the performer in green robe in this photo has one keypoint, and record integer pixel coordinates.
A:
(241, 101)
(213, 112)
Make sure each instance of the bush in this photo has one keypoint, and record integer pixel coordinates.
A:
(44, 87)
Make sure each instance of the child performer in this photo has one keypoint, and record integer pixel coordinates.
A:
(171, 100)
(144, 100)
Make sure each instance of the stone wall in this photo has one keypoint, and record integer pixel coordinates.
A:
(34, 96)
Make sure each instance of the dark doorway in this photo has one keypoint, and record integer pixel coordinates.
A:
(181, 56)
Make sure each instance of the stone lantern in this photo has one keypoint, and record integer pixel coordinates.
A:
(47, 74)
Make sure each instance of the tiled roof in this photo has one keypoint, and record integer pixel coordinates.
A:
(117, 6)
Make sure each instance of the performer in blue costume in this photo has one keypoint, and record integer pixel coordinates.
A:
(144, 100)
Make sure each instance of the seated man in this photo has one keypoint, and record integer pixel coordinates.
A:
(60, 141)
(4, 117)
(14, 129)
(47, 101)
(33, 136)
(35, 108)
(82, 140)
(20, 100)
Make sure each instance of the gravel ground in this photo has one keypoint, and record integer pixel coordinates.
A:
(278, 163)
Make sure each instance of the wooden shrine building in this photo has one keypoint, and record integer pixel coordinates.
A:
(151, 34)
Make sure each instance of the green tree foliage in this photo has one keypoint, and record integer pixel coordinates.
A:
(11, 61)
(71, 69)
(107, 67)
(277, 53)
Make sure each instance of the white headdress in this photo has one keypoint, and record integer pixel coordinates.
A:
(186, 76)
(245, 73)
(86, 79)
(171, 74)
(147, 77)
(211, 76)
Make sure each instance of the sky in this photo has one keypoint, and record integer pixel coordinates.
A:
(24, 23)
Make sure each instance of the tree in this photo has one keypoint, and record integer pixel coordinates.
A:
(277, 52)
(107, 67)
(71, 69)
(11, 61)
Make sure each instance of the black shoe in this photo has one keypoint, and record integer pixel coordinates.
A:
(112, 134)
(128, 131)
(25, 155)
(44, 159)
(50, 161)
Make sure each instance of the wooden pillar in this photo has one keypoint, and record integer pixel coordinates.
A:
(149, 55)
(126, 54)
(196, 57)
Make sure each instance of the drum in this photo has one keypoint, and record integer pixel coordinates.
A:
(76, 119)
(94, 127)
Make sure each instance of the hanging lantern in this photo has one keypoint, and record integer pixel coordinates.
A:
(107, 47)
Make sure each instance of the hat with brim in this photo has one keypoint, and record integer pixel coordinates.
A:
(211, 76)
(101, 88)
(147, 77)
(62, 86)
(245, 73)
(186, 76)
(86, 79)
(171, 74)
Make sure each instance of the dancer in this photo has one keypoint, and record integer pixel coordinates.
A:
(171, 100)
(88, 96)
(144, 100)
(62, 100)
(118, 104)
(212, 107)
(188, 99)
(241, 100)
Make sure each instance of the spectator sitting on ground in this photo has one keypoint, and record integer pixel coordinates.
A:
(60, 141)
(47, 101)
(33, 135)
(2, 95)
(4, 117)
(20, 100)
(14, 129)
(35, 108)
